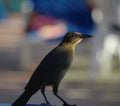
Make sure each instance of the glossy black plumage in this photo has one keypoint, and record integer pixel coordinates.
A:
(52, 69)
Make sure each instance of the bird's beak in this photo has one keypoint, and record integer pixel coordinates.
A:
(86, 36)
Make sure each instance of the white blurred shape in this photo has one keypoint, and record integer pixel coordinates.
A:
(111, 43)
(97, 15)
(110, 48)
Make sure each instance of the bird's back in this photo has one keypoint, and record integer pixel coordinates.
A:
(52, 68)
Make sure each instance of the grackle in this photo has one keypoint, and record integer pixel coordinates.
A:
(52, 69)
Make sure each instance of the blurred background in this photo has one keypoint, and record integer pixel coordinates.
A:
(29, 29)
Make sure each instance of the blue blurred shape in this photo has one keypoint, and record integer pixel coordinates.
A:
(3, 12)
(74, 11)
(42, 104)
(5, 104)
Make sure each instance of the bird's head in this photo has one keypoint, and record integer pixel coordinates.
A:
(74, 37)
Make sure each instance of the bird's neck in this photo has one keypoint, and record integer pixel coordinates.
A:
(69, 46)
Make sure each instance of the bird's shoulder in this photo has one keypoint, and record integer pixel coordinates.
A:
(57, 54)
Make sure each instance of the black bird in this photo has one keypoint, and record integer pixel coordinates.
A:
(52, 69)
